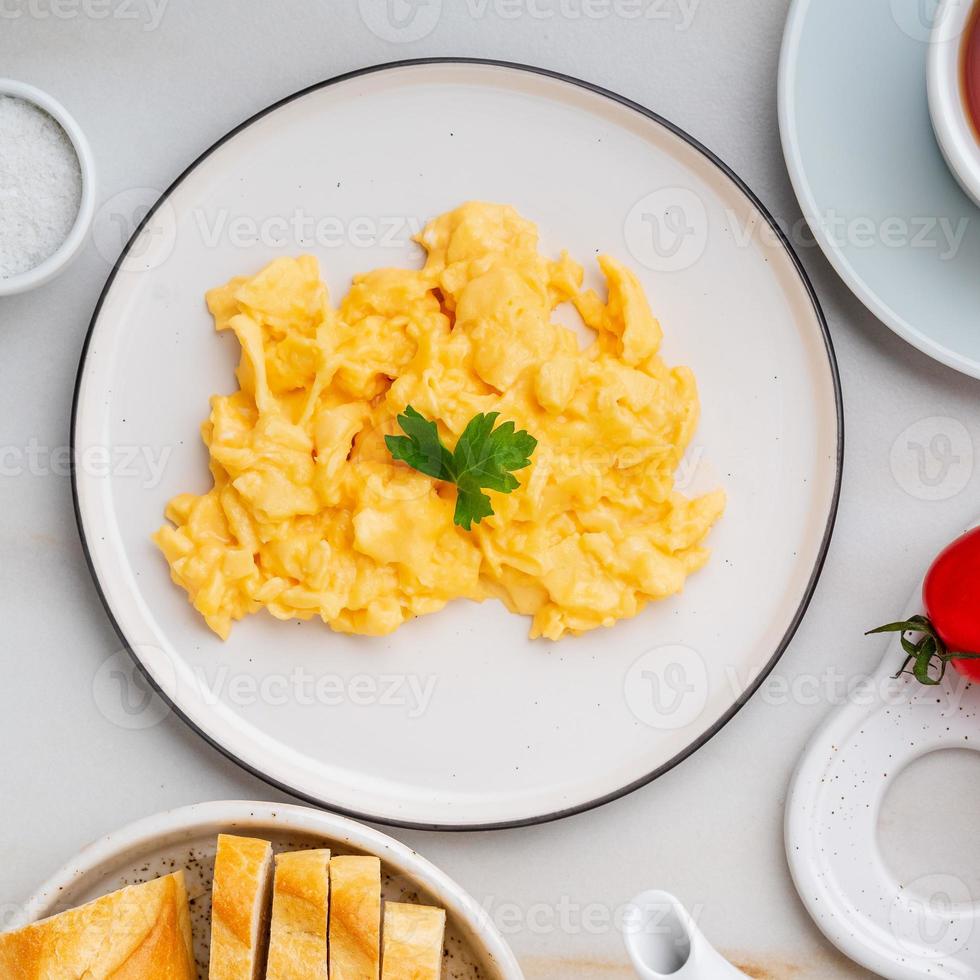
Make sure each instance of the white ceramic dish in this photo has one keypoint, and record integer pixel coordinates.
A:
(900, 930)
(185, 838)
(69, 248)
(950, 119)
(505, 731)
(871, 180)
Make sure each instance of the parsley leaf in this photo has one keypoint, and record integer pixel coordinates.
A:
(421, 446)
(484, 459)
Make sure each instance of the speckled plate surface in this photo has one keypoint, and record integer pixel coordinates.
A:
(904, 931)
(186, 838)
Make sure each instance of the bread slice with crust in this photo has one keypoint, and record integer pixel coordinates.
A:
(300, 912)
(413, 940)
(355, 918)
(138, 933)
(240, 908)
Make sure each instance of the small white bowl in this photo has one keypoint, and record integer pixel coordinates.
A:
(947, 102)
(65, 252)
(185, 838)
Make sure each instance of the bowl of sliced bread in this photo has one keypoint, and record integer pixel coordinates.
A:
(243, 891)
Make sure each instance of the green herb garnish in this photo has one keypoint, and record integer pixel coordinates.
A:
(484, 459)
(924, 653)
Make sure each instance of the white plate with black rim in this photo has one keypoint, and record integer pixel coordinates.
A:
(458, 720)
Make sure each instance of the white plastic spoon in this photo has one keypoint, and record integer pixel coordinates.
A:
(664, 942)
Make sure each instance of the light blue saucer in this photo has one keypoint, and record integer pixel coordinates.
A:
(869, 175)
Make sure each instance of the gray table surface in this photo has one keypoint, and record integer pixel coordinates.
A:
(152, 84)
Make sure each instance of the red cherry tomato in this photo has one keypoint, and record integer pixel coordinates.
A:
(952, 599)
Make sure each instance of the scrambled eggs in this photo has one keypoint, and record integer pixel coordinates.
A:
(310, 515)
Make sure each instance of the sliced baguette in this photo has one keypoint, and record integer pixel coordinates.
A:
(413, 940)
(240, 908)
(355, 918)
(300, 912)
(139, 933)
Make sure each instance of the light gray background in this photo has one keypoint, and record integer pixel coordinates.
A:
(152, 87)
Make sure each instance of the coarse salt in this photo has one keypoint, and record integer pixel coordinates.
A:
(40, 186)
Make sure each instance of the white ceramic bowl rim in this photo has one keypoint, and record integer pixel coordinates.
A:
(954, 129)
(54, 263)
(203, 817)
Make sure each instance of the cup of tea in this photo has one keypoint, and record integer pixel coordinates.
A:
(954, 89)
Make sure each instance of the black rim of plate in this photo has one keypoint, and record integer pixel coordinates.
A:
(824, 545)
